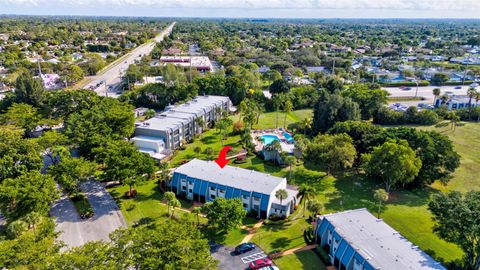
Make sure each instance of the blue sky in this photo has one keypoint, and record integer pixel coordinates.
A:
(249, 8)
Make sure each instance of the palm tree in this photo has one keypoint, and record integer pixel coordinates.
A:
(454, 119)
(169, 198)
(290, 160)
(276, 147)
(381, 196)
(287, 108)
(200, 123)
(315, 207)
(281, 194)
(307, 193)
(306, 124)
(276, 104)
(471, 93)
(436, 94)
(174, 204)
(196, 211)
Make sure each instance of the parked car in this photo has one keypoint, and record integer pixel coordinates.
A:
(458, 87)
(271, 267)
(260, 263)
(244, 247)
(407, 88)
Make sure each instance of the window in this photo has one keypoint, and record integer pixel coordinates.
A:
(245, 205)
(330, 241)
(222, 190)
(184, 188)
(212, 188)
(245, 197)
(256, 199)
(255, 207)
(212, 196)
(190, 190)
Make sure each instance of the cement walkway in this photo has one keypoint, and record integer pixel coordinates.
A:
(252, 231)
(293, 250)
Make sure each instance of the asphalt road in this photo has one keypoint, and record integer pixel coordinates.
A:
(425, 91)
(75, 231)
(229, 260)
(111, 77)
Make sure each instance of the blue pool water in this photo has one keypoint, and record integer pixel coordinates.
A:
(268, 138)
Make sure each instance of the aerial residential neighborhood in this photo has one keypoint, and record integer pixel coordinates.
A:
(240, 135)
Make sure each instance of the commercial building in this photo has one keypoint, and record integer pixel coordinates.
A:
(457, 102)
(200, 63)
(357, 240)
(165, 132)
(203, 181)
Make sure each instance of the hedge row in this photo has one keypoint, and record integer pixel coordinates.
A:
(398, 84)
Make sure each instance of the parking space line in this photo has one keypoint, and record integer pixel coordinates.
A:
(253, 257)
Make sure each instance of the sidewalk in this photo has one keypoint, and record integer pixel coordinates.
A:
(293, 250)
(252, 231)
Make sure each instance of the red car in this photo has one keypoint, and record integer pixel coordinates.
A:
(260, 263)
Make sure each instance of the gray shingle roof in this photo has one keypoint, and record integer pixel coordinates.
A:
(380, 244)
(244, 179)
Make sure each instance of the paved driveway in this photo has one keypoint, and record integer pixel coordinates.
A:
(75, 231)
(229, 260)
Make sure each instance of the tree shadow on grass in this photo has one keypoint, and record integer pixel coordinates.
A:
(210, 139)
(280, 243)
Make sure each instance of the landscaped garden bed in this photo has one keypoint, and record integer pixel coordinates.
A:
(82, 205)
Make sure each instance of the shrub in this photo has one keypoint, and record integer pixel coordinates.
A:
(238, 127)
(82, 205)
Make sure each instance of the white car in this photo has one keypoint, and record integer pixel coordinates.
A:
(271, 267)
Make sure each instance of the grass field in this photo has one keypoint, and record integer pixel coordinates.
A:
(306, 260)
(406, 211)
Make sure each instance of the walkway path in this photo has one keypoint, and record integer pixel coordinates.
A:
(252, 231)
(293, 250)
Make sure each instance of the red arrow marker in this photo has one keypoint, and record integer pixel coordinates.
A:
(222, 157)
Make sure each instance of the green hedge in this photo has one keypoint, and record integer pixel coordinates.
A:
(459, 83)
(398, 84)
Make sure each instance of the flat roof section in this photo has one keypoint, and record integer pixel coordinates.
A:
(378, 243)
(231, 176)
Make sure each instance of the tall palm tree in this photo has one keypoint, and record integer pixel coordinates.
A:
(306, 124)
(436, 94)
(196, 211)
(287, 108)
(281, 194)
(290, 160)
(471, 93)
(276, 104)
(307, 193)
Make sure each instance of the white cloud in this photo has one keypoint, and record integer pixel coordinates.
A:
(448, 5)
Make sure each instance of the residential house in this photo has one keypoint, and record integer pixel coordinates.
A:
(357, 240)
(262, 69)
(204, 181)
(200, 63)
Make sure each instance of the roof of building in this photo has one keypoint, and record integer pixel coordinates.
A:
(174, 116)
(248, 180)
(196, 61)
(378, 243)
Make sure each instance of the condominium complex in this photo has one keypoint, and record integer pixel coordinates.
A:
(203, 181)
(166, 131)
(357, 240)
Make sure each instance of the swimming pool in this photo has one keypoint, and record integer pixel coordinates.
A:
(269, 138)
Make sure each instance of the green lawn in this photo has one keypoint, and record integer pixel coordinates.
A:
(306, 260)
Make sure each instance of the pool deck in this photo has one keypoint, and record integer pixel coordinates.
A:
(286, 145)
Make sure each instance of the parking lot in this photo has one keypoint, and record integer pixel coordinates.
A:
(229, 260)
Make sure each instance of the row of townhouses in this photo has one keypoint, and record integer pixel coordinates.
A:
(204, 181)
(167, 130)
